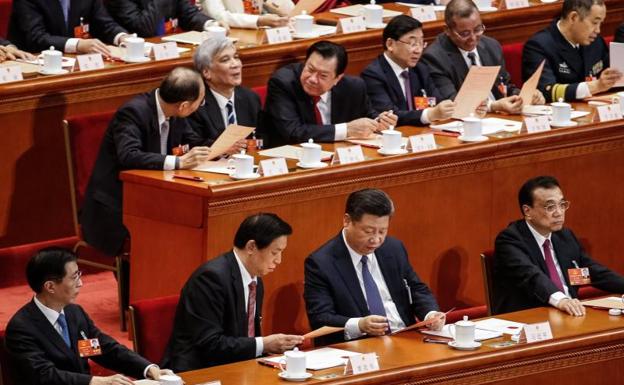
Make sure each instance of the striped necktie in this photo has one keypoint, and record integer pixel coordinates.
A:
(231, 116)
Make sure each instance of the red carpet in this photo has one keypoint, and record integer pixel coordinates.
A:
(98, 296)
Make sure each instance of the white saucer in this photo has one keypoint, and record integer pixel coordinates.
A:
(309, 35)
(397, 152)
(313, 165)
(473, 346)
(285, 376)
(549, 1)
(376, 26)
(488, 9)
(243, 177)
(136, 60)
(571, 123)
(46, 72)
(480, 138)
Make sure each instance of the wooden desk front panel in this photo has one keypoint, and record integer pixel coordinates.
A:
(449, 207)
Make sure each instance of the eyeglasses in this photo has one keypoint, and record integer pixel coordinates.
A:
(414, 44)
(563, 206)
(478, 31)
(76, 275)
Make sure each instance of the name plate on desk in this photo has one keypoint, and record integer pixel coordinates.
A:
(165, 51)
(609, 112)
(273, 166)
(363, 363)
(351, 24)
(537, 123)
(351, 154)
(536, 332)
(424, 13)
(513, 4)
(90, 62)
(278, 35)
(420, 143)
(10, 74)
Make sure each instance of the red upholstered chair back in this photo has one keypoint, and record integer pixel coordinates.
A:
(471, 312)
(608, 39)
(513, 61)
(487, 262)
(5, 375)
(5, 15)
(262, 92)
(152, 323)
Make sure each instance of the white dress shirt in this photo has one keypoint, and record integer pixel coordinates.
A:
(169, 159)
(324, 107)
(247, 279)
(582, 90)
(539, 238)
(232, 12)
(222, 102)
(398, 70)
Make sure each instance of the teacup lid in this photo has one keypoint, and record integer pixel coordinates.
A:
(310, 144)
(294, 353)
(391, 131)
(464, 322)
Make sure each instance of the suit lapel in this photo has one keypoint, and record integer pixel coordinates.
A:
(390, 274)
(562, 255)
(535, 250)
(214, 113)
(569, 54)
(455, 57)
(242, 108)
(153, 134)
(393, 82)
(45, 327)
(304, 100)
(239, 293)
(344, 267)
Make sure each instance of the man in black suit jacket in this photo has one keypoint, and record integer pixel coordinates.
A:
(619, 34)
(532, 256)
(315, 100)
(218, 318)
(227, 102)
(396, 78)
(36, 25)
(42, 337)
(577, 57)
(148, 17)
(338, 290)
(462, 45)
(10, 52)
(143, 134)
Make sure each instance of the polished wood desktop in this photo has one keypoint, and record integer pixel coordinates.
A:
(32, 111)
(450, 204)
(584, 351)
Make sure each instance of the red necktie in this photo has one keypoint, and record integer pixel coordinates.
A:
(317, 113)
(251, 310)
(550, 264)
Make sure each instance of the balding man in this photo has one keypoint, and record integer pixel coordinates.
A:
(148, 132)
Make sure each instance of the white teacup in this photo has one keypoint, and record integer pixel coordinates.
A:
(310, 153)
(561, 112)
(135, 47)
(295, 362)
(216, 31)
(373, 14)
(303, 23)
(170, 379)
(52, 60)
(472, 127)
(391, 140)
(463, 332)
(242, 164)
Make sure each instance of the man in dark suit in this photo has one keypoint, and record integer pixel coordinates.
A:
(43, 337)
(148, 132)
(158, 17)
(227, 102)
(37, 25)
(218, 319)
(463, 45)
(315, 100)
(362, 280)
(577, 57)
(10, 52)
(619, 34)
(532, 257)
(397, 81)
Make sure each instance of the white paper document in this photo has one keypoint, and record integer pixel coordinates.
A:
(606, 303)
(375, 142)
(358, 9)
(500, 325)
(323, 358)
(489, 126)
(474, 90)
(616, 57)
(215, 166)
(290, 152)
(228, 137)
(480, 334)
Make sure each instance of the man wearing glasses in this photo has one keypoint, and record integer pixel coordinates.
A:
(536, 259)
(397, 81)
(463, 45)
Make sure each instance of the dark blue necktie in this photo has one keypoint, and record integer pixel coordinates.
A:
(231, 118)
(375, 304)
(65, 7)
(64, 331)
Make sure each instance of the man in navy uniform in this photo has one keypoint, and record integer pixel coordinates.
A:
(577, 57)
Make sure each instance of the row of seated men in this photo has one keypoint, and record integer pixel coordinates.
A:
(361, 280)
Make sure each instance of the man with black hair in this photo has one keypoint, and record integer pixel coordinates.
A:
(316, 100)
(398, 81)
(43, 338)
(218, 318)
(362, 280)
(533, 256)
(148, 132)
(577, 57)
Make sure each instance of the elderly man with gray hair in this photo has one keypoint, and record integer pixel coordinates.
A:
(226, 101)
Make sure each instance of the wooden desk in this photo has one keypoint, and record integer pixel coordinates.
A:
(450, 205)
(584, 351)
(31, 112)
